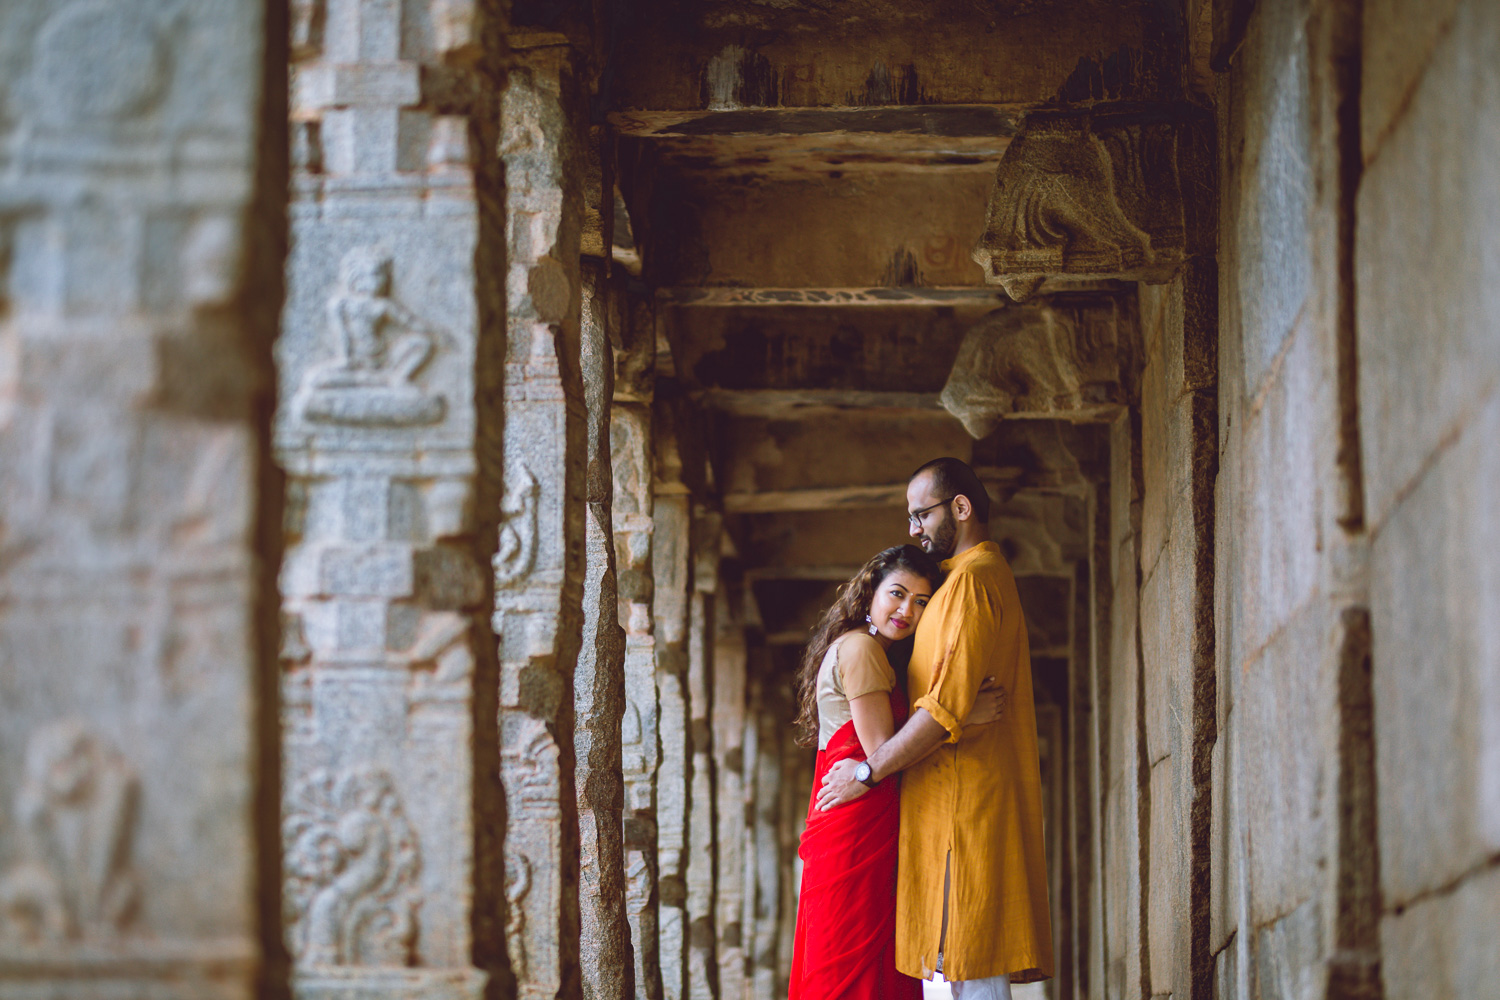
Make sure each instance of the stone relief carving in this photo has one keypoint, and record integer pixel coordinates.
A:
(351, 870)
(1026, 362)
(75, 811)
(380, 347)
(517, 887)
(1086, 194)
(517, 552)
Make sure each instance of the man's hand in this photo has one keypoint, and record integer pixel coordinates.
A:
(839, 787)
(989, 704)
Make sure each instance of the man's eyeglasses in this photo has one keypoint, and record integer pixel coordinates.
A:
(915, 517)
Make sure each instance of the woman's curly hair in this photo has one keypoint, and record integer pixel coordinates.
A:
(848, 615)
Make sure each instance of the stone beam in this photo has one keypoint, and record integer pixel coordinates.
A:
(784, 403)
(1037, 363)
(999, 483)
(1110, 192)
(710, 295)
(139, 509)
(389, 351)
(933, 122)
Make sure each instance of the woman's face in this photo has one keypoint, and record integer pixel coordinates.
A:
(897, 605)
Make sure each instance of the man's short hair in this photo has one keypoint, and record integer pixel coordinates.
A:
(952, 477)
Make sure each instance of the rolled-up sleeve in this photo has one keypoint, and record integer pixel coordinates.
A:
(969, 635)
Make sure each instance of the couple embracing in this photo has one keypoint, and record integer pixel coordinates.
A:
(923, 849)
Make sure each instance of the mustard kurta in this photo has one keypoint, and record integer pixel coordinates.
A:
(978, 795)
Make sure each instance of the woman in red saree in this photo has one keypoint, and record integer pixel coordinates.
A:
(851, 703)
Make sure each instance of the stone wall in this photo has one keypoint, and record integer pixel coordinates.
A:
(1426, 252)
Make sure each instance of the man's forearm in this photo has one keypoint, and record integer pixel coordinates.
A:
(915, 740)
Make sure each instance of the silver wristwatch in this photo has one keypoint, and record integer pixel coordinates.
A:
(864, 775)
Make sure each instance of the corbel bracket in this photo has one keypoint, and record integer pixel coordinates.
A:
(1113, 191)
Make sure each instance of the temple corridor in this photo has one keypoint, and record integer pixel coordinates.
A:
(430, 428)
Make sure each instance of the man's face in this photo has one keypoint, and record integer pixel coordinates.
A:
(933, 528)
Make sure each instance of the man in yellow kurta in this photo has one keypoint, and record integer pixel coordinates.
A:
(971, 898)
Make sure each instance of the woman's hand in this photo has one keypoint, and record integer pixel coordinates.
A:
(989, 705)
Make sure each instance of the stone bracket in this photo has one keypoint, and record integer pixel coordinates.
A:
(1107, 192)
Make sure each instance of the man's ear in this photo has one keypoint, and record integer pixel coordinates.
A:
(962, 509)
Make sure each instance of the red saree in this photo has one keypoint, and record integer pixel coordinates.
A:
(846, 915)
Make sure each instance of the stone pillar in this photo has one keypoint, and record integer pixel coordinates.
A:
(766, 802)
(634, 340)
(728, 725)
(599, 681)
(390, 322)
(670, 548)
(540, 566)
(703, 972)
(138, 505)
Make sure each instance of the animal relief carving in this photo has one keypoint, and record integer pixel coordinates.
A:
(351, 871)
(1086, 194)
(381, 346)
(517, 552)
(75, 810)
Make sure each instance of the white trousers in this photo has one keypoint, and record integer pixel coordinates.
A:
(993, 988)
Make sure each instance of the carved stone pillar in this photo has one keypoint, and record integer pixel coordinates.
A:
(703, 972)
(599, 681)
(385, 368)
(671, 543)
(138, 504)
(632, 459)
(1106, 192)
(728, 725)
(766, 841)
(540, 567)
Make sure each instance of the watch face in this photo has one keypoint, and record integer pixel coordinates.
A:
(862, 772)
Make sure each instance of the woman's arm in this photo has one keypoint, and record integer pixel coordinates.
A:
(873, 722)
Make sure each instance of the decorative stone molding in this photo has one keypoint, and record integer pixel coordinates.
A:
(1097, 194)
(1034, 362)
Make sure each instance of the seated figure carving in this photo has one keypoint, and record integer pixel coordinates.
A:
(381, 346)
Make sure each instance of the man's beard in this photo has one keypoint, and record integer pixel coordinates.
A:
(943, 539)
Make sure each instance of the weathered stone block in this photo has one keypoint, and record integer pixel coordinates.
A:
(1426, 261)
(1433, 594)
(1443, 945)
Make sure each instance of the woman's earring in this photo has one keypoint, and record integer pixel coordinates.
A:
(873, 629)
